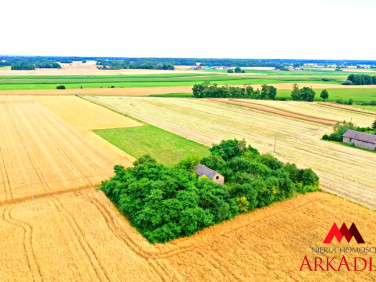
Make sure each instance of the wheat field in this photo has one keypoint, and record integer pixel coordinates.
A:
(346, 171)
(80, 236)
(42, 152)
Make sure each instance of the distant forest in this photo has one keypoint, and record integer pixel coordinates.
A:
(167, 63)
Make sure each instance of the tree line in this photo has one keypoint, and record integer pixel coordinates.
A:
(207, 90)
(360, 79)
(165, 203)
(277, 63)
(121, 64)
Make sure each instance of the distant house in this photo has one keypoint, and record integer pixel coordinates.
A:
(360, 139)
(202, 170)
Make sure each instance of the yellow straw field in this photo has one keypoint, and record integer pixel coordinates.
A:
(80, 236)
(41, 153)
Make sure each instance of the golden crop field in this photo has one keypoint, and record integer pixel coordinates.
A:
(42, 153)
(80, 236)
(346, 171)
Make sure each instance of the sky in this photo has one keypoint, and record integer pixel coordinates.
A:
(297, 29)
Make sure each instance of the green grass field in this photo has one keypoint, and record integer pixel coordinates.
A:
(369, 108)
(155, 80)
(357, 94)
(164, 146)
(189, 79)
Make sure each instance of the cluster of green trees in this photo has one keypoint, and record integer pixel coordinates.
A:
(207, 90)
(237, 70)
(341, 127)
(165, 203)
(48, 65)
(362, 79)
(23, 66)
(303, 94)
(123, 64)
(33, 66)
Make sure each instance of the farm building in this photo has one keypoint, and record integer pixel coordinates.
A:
(202, 170)
(360, 139)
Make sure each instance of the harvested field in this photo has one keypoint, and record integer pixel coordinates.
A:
(349, 108)
(276, 110)
(318, 112)
(83, 115)
(41, 153)
(80, 236)
(347, 171)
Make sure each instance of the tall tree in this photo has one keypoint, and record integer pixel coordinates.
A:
(324, 94)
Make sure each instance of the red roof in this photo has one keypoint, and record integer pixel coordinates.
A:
(361, 136)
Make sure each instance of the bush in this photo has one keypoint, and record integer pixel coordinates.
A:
(60, 87)
(327, 79)
(230, 71)
(347, 82)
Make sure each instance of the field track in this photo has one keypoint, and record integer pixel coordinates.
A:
(93, 242)
(346, 171)
(42, 153)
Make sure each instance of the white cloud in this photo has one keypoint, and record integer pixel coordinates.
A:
(238, 29)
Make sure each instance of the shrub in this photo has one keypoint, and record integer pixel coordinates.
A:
(60, 87)
(347, 82)
(230, 71)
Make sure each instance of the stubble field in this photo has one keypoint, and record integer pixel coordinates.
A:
(346, 171)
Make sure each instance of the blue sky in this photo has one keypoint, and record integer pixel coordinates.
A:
(331, 29)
